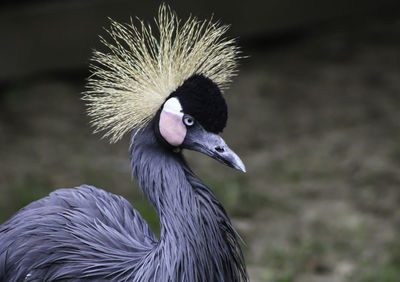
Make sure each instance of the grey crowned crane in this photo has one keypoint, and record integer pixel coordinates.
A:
(164, 88)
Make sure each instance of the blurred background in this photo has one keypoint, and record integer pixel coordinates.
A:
(314, 114)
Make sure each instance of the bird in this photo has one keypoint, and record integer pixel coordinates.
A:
(164, 84)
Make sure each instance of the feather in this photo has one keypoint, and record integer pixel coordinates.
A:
(131, 82)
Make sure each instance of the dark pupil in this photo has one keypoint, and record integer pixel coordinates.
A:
(189, 120)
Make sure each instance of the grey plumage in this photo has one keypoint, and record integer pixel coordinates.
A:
(169, 91)
(86, 233)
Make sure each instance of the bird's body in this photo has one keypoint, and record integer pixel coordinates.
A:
(74, 234)
(88, 234)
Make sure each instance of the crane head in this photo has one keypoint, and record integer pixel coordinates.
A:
(173, 76)
(191, 118)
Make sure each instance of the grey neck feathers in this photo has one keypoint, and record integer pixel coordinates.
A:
(196, 232)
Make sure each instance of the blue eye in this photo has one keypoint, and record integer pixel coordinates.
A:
(188, 120)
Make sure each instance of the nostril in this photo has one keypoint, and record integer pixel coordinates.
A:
(219, 149)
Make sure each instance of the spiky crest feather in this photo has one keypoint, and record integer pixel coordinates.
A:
(128, 85)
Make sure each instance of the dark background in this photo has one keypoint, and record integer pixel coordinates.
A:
(314, 114)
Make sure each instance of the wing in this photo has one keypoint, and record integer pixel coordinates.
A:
(83, 232)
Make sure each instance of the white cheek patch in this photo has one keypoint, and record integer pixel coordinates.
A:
(172, 105)
(171, 126)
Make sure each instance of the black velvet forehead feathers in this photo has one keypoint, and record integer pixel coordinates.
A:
(201, 98)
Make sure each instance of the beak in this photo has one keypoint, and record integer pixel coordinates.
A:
(212, 145)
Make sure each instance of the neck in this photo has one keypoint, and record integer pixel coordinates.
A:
(194, 225)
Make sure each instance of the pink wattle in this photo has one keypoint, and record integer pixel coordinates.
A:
(172, 128)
